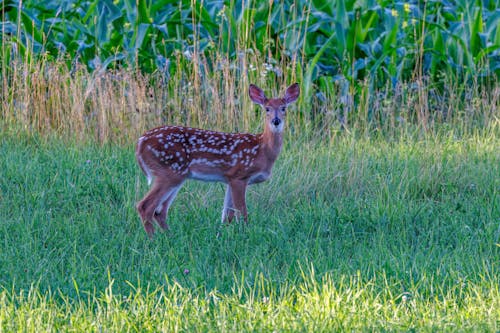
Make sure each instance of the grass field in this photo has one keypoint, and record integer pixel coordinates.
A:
(383, 211)
(355, 233)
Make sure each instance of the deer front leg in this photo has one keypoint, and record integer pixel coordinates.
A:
(237, 200)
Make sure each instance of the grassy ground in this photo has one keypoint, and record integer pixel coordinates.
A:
(348, 234)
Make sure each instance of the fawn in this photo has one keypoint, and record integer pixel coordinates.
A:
(172, 154)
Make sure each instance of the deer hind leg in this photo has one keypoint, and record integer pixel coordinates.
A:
(143, 209)
(161, 211)
(154, 199)
(236, 204)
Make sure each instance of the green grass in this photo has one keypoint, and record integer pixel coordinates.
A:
(383, 212)
(350, 234)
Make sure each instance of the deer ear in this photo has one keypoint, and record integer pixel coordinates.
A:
(292, 93)
(257, 95)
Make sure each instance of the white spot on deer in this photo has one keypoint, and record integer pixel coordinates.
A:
(203, 161)
(215, 151)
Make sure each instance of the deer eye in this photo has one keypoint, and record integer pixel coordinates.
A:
(268, 109)
(283, 109)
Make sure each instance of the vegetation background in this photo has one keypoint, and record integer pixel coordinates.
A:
(383, 211)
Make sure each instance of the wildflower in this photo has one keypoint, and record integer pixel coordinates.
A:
(406, 297)
(394, 13)
(406, 7)
(188, 54)
(186, 271)
(405, 24)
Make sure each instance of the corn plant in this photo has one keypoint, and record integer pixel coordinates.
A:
(349, 38)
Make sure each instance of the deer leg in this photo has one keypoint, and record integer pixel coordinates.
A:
(147, 207)
(143, 208)
(239, 207)
(160, 214)
(228, 210)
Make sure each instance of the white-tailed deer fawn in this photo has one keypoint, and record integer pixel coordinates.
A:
(172, 154)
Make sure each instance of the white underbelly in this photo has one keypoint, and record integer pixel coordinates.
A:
(207, 177)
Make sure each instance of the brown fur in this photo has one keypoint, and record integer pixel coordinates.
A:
(172, 154)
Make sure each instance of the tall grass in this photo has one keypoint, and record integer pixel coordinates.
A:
(45, 97)
(108, 70)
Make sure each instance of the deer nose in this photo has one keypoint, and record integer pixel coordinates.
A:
(276, 122)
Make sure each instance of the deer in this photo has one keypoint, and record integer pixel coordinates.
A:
(169, 155)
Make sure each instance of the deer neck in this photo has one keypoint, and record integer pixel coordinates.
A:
(271, 143)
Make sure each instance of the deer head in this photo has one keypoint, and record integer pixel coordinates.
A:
(275, 107)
